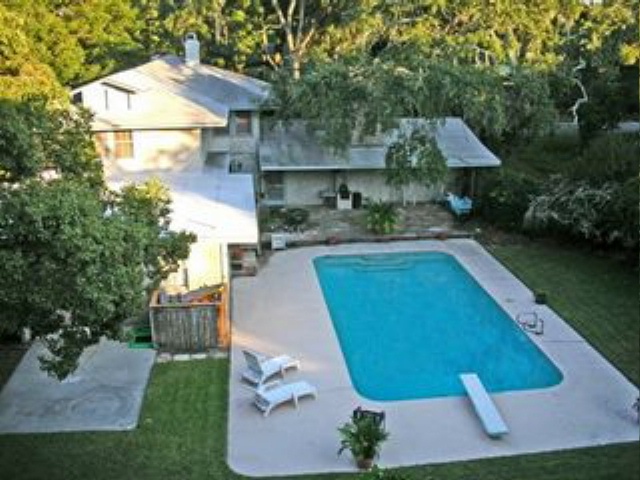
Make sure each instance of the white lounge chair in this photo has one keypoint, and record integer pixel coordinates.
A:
(261, 367)
(270, 395)
(485, 408)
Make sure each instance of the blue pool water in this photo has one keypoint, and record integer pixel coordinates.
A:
(410, 323)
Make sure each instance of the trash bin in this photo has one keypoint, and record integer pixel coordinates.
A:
(356, 200)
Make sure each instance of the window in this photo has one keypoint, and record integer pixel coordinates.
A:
(243, 123)
(101, 141)
(123, 144)
(217, 160)
(77, 98)
(274, 187)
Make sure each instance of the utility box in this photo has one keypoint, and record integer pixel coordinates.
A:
(344, 202)
(278, 241)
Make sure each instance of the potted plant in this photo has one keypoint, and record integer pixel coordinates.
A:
(363, 437)
(540, 297)
(381, 217)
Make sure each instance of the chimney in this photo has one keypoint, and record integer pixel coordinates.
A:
(191, 50)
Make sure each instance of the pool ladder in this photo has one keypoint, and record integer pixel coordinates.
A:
(530, 322)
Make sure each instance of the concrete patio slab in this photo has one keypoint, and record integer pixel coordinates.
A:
(105, 392)
(282, 310)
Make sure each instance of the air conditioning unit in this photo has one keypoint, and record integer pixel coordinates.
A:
(278, 241)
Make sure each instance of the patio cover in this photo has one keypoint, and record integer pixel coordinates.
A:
(297, 150)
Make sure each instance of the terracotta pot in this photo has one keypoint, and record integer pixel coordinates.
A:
(364, 463)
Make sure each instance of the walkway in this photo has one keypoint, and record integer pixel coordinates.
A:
(105, 393)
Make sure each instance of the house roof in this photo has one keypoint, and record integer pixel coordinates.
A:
(213, 204)
(171, 94)
(297, 150)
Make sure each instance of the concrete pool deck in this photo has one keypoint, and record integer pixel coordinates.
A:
(282, 310)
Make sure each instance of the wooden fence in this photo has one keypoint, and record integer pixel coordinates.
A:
(190, 327)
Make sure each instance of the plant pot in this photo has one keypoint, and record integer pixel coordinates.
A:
(540, 298)
(364, 463)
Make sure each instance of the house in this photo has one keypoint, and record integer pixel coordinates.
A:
(298, 170)
(196, 128)
(175, 114)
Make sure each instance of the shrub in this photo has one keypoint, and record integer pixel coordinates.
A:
(295, 218)
(601, 214)
(608, 157)
(381, 217)
(288, 219)
(506, 198)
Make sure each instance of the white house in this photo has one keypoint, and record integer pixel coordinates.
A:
(196, 128)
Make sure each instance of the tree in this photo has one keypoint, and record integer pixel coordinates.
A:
(414, 158)
(361, 95)
(469, 32)
(75, 259)
(297, 23)
(230, 31)
(36, 138)
(79, 41)
(22, 74)
(603, 39)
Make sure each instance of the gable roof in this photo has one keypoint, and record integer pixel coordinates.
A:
(170, 94)
(297, 150)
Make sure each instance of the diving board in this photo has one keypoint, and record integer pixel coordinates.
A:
(485, 408)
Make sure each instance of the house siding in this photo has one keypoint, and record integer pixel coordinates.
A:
(303, 188)
(241, 149)
(207, 265)
(154, 151)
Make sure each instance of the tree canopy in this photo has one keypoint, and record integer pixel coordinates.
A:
(359, 94)
(80, 41)
(75, 258)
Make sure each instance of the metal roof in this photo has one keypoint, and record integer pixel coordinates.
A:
(170, 94)
(213, 204)
(295, 149)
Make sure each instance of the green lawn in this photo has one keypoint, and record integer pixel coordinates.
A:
(596, 295)
(182, 433)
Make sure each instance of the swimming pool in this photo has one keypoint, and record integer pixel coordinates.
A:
(409, 323)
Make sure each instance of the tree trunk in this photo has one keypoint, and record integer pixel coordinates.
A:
(296, 65)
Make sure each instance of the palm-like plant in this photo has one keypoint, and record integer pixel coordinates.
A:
(381, 217)
(363, 437)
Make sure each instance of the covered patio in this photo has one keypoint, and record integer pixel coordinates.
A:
(297, 169)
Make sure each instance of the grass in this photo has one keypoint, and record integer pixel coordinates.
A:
(596, 295)
(182, 432)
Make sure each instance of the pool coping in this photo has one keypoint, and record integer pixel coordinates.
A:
(282, 310)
